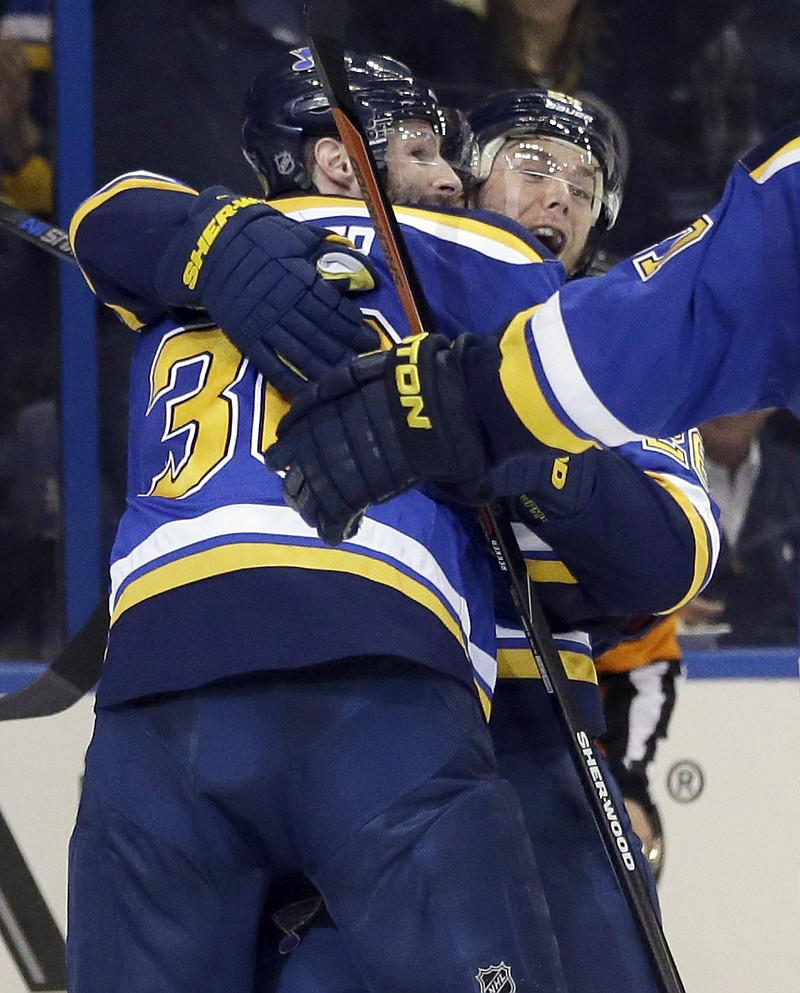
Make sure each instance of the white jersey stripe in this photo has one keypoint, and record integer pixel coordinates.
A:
(568, 383)
(408, 554)
(788, 158)
(528, 540)
(457, 233)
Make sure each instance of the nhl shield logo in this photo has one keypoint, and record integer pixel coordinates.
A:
(284, 163)
(496, 979)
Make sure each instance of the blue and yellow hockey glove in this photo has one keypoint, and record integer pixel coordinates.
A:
(374, 428)
(275, 287)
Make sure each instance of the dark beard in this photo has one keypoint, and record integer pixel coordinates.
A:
(406, 198)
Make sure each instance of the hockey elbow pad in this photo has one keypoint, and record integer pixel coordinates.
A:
(275, 286)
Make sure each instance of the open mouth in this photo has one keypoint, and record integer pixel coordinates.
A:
(551, 238)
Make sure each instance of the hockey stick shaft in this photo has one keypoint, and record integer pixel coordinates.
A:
(501, 537)
(325, 22)
(47, 237)
(71, 675)
(77, 668)
(27, 926)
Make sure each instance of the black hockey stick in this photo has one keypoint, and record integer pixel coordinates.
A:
(325, 24)
(73, 672)
(27, 926)
(36, 231)
(77, 668)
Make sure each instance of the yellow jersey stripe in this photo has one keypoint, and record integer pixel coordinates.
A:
(519, 663)
(702, 556)
(126, 316)
(549, 571)
(523, 391)
(788, 155)
(259, 555)
(483, 699)
(232, 558)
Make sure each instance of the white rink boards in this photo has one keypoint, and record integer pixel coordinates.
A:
(730, 889)
(731, 884)
(41, 762)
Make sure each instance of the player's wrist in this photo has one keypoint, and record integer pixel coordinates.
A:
(192, 256)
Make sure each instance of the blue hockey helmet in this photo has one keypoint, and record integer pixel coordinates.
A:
(286, 105)
(583, 123)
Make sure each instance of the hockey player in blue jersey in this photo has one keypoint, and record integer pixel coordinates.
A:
(215, 533)
(702, 325)
(270, 704)
(556, 165)
(551, 163)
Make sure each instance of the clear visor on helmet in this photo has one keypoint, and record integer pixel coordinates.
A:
(536, 159)
(417, 170)
(459, 148)
(415, 141)
(428, 142)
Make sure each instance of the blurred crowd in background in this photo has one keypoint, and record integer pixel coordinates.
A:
(694, 85)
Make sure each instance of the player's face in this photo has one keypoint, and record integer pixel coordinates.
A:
(416, 172)
(548, 187)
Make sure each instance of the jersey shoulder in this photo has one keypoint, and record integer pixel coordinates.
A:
(116, 235)
(780, 150)
(480, 231)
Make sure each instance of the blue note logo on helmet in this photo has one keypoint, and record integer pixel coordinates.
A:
(305, 60)
(286, 106)
(583, 123)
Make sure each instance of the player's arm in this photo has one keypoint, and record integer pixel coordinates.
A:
(629, 544)
(119, 234)
(701, 325)
(636, 527)
(150, 246)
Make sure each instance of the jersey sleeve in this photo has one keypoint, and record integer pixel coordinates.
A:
(118, 236)
(645, 542)
(704, 324)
